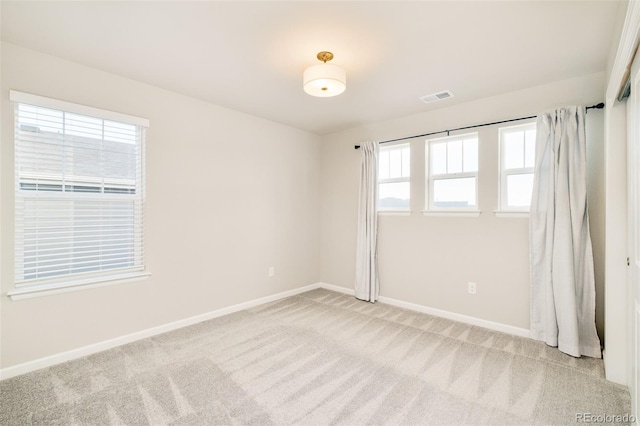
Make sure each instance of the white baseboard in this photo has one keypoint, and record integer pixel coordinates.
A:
(491, 325)
(332, 287)
(59, 358)
(48, 361)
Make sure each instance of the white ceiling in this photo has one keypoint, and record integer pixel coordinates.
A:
(249, 56)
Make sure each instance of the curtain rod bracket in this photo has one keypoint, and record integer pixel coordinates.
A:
(596, 106)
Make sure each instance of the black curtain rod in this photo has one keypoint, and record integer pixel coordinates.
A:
(596, 106)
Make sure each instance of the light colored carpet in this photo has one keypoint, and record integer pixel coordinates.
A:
(318, 358)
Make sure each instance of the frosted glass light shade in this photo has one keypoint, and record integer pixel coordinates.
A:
(324, 80)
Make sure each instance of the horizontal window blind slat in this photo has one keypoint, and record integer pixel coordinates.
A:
(54, 244)
(62, 253)
(47, 243)
(106, 221)
(79, 256)
(115, 251)
(79, 261)
(46, 249)
(40, 148)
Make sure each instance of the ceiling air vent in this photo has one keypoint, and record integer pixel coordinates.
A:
(436, 96)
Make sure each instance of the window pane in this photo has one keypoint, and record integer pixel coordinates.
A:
(513, 150)
(438, 158)
(83, 126)
(529, 148)
(395, 164)
(120, 132)
(454, 193)
(454, 157)
(471, 155)
(383, 165)
(394, 195)
(519, 188)
(406, 162)
(39, 119)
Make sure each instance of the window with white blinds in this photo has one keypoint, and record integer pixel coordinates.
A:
(79, 204)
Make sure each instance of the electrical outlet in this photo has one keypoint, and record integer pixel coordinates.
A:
(272, 271)
(471, 287)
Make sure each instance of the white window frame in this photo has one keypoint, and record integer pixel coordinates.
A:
(27, 288)
(407, 179)
(430, 209)
(504, 210)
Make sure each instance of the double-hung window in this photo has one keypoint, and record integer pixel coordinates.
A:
(394, 174)
(517, 161)
(79, 195)
(452, 173)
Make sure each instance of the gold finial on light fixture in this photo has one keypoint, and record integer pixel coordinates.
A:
(324, 80)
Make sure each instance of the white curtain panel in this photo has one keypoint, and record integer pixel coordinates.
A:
(562, 277)
(366, 285)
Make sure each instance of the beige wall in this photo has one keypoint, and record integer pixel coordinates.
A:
(429, 260)
(228, 196)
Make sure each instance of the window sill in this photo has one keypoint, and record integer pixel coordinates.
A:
(515, 214)
(29, 292)
(452, 213)
(394, 212)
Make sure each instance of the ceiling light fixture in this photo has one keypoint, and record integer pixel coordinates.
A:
(324, 80)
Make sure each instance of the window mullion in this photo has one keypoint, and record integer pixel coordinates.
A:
(522, 171)
(446, 158)
(462, 154)
(394, 180)
(454, 175)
